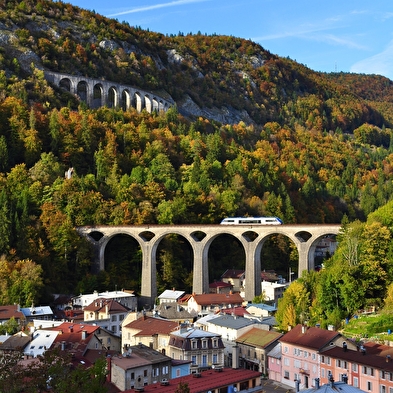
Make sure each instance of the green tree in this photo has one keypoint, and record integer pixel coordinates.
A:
(182, 387)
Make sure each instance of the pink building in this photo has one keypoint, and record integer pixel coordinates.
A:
(301, 350)
(368, 367)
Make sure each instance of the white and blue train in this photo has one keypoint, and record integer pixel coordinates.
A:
(251, 221)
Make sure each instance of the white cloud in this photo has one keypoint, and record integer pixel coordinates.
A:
(381, 63)
(156, 6)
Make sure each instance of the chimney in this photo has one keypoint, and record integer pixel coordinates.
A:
(331, 380)
(84, 334)
(387, 358)
(304, 329)
(317, 385)
(63, 345)
(235, 357)
(345, 346)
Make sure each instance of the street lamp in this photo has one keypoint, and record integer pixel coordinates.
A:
(290, 274)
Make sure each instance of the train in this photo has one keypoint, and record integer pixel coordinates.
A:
(251, 221)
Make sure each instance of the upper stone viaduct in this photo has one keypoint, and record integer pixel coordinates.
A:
(98, 92)
(200, 237)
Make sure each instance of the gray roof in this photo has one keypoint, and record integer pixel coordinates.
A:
(262, 306)
(275, 352)
(193, 333)
(334, 387)
(233, 322)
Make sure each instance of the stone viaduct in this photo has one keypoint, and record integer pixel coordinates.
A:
(200, 237)
(98, 92)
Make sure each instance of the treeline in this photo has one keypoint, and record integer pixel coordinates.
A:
(131, 168)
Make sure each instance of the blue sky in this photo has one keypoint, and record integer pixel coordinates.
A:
(346, 35)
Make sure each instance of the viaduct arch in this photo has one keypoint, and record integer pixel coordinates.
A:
(98, 92)
(200, 237)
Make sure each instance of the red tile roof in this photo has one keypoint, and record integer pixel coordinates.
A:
(309, 337)
(101, 303)
(7, 312)
(217, 299)
(238, 311)
(232, 273)
(220, 284)
(209, 380)
(149, 326)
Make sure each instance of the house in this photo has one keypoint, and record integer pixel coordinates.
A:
(235, 278)
(170, 296)
(274, 363)
(13, 311)
(229, 327)
(16, 342)
(109, 340)
(261, 309)
(369, 366)
(210, 303)
(40, 341)
(173, 312)
(180, 368)
(253, 348)
(76, 339)
(204, 349)
(44, 313)
(126, 298)
(214, 381)
(138, 367)
(273, 291)
(150, 331)
(220, 287)
(302, 349)
(107, 313)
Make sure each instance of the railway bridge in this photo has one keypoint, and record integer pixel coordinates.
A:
(200, 237)
(99, 92)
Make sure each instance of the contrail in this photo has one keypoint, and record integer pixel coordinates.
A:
(156, 6)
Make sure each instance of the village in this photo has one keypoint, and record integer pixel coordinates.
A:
(214, 342)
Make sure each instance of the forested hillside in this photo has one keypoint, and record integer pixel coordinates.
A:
(304, 146)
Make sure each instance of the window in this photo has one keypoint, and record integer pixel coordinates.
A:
(322, 372)
(145, 373)
(204, 344)
(285, 349)
(114, 318)
(369, 386)
(354, 367)
(193, 359)
(215, 358)
(121, 317)
(165, 370)
(286, 374)
(382, 389)
(355, 382)
(194, 345)
(215, 343)
(132, 375)
(204, 359)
